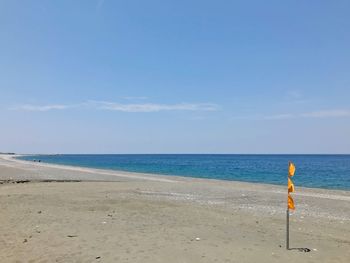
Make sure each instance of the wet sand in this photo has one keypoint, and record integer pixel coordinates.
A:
(108, 216)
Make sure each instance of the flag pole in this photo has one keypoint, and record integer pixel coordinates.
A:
(287, 228)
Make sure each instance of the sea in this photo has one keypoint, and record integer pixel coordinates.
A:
(315, 171)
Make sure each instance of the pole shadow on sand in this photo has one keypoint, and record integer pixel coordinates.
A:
(300, 249)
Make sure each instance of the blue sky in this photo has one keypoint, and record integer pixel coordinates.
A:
(175, 76)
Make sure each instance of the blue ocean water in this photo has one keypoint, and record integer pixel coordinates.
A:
(319, 171)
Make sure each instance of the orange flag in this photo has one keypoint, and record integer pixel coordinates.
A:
(290, 186)
(291, 169)
(290, 202)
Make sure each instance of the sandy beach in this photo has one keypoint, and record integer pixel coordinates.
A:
(56, 213)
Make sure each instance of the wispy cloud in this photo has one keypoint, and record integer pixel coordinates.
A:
(293, 97)
(113, 106)
(151, 107)
(337, 113)
(29, 107)
(327, 114)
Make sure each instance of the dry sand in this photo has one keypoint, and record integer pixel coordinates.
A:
(151, 218)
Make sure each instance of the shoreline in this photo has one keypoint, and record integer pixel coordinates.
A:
(152, 176)
(66, 173)
(129, 217)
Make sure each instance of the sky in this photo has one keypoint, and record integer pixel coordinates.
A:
(160, 76)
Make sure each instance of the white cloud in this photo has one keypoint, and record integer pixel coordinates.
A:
(112, 106)
(152, 107)
(29, 107)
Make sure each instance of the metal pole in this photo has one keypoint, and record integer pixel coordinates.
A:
(287, 237)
